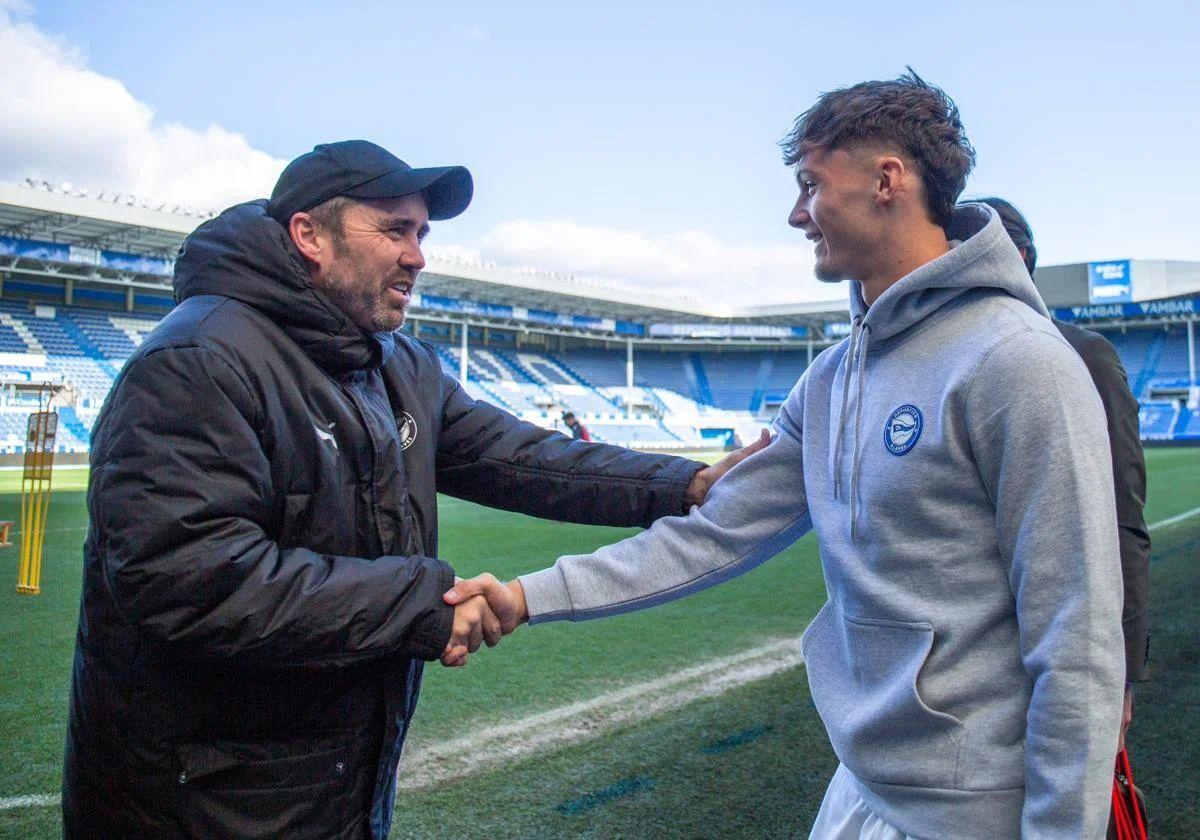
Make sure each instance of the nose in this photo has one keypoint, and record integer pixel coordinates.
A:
(412, 258)
(799, 216)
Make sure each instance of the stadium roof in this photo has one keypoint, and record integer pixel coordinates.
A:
(515, 287)
(111, 220)
(42, 211)
(39, 212)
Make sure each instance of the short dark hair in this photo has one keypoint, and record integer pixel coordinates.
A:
(1017, 227)
(908, 113)
(329, 214)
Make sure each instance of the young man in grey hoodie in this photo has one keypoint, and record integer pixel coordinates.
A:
(951, 456)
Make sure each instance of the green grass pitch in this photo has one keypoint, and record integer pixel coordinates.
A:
(752, 761)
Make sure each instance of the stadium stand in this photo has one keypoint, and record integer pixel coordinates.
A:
(1187, 427)
(80, 289)
(680, 399)
(593, 367)
(733, 378)
(1158, 420)
(1171, 370)
(1134, 349)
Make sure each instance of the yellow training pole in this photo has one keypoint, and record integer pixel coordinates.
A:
(43, 512)
(24, 573)
(35, 498)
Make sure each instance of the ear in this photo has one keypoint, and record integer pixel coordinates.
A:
(891, 179)
(308, 237)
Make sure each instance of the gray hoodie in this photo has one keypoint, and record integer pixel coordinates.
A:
(951, 456)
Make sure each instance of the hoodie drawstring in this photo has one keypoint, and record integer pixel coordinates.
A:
(856, 366)
(856, 458)
(841, 431)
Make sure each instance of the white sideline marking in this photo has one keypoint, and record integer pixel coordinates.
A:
(28, 802)
(440, 762)
(1187, 514)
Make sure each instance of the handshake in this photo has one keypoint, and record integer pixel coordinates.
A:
(485, 610)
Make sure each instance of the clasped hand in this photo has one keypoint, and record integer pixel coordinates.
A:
(484, 611)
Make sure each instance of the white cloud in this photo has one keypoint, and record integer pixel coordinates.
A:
(64, 122)
(692, 263)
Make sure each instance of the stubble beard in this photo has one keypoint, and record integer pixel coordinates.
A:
(827, 273)
(349, 288)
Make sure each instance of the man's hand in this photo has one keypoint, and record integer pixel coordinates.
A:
(507, 600)
(474, 622)
(703, 481)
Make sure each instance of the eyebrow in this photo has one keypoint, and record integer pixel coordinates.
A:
(802, 172)
(391, 222)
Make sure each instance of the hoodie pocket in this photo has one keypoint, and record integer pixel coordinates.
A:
(863, 675)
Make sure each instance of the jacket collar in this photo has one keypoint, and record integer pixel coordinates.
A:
(246, 255)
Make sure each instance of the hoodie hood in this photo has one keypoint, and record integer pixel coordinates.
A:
(983, 258)
(246, 255)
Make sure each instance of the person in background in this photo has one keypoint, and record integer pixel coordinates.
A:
(578, 430)
(1129, 466)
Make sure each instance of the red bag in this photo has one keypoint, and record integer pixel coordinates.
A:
(1128, 819)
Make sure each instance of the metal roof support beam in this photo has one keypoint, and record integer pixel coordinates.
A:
(118, 241)
(462, 363)
(50, 224)
(629, 376)
(1192, 352)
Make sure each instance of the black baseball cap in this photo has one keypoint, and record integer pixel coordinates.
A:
(360, 169)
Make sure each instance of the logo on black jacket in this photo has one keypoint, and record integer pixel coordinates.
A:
(903, 429)
(326, 434)
(408, 430)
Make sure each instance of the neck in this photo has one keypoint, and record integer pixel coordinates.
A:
(903, 257)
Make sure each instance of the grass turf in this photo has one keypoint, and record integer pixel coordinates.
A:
(753, 761)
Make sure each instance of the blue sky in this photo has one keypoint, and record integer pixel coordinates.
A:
(631, 140)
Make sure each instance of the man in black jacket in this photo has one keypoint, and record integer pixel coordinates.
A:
(261, 582)
(1129, 464)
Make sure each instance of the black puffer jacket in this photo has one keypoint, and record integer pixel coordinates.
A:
(1129, 486)
(260, 582)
